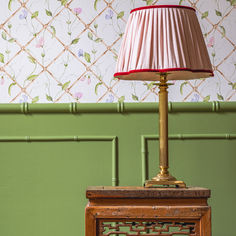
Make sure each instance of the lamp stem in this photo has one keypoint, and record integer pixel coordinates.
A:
(163, 125)
(164, 177)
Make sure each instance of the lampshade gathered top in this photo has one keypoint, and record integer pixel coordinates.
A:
(163, 38)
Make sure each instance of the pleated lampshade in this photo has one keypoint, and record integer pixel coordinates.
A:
(163, 38)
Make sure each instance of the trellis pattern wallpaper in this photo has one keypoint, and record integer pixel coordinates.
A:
(54, 51)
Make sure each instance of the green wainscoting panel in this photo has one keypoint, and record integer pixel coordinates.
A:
(50, 153)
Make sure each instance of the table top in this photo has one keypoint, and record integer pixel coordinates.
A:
(96, 192)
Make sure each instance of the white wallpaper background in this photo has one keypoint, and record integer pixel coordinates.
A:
(54, 51)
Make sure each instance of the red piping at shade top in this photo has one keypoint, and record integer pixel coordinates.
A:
(161, 6)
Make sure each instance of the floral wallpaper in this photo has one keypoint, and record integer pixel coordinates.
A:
(55, 51)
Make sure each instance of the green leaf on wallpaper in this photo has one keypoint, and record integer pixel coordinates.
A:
(207, 98)
(233, 85)
(87, 57)
(90, 35)
(121, 14)
(31, 77)
(96, 87)
(145, 84)
(95, 26)
(65, 85)
(63, 2)
(49, 98)
(35, 14)
(1, 58)
(9, 4)
(11, 40)
(9, 88)
(48, 13)
(75, 41)
(95, 4)
(181, 87)
(4, 35)
(180, 2)
(134, 97)
(233, 2)
(32, 60)
(205, 14)
(218, 13)
(94, 51)
(150, 85)
(121, 99)
(149, 2)
(220, 97)
(98, 40)
(53, 31)
(213, 54)
(223, 31)
(35, 99)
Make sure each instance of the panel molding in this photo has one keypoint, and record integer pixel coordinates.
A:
(146, 138)
(112, 139)
(120, 107)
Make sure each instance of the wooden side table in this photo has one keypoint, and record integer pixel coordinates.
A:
(119, 211)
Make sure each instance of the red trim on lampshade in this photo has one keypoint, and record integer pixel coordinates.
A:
(163, 70)
(161, 6)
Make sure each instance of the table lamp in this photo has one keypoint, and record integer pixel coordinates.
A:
(160, 43)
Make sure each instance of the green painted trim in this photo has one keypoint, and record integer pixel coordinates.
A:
(114, 169)
(145, 138)
(144, 158)
(113, 139)
(191, 136)
(120, 107)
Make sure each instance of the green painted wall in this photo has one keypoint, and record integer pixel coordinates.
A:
(49, 154)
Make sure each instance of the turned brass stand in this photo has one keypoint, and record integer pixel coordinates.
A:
(164, 177)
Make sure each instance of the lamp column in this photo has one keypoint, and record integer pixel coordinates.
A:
(164, 177)
(163, 127)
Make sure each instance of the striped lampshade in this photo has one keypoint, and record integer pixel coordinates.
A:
(163, 38)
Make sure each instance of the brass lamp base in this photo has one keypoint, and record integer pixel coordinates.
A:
(164, 178)
(154, 183)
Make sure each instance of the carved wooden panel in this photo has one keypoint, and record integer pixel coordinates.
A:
(148, 227)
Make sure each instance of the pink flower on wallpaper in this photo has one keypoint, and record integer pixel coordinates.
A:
(84, 78)
(78, 95)
(40, 43)
(211, 42)
(89, 80)
(77, 10)
(2, 81)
